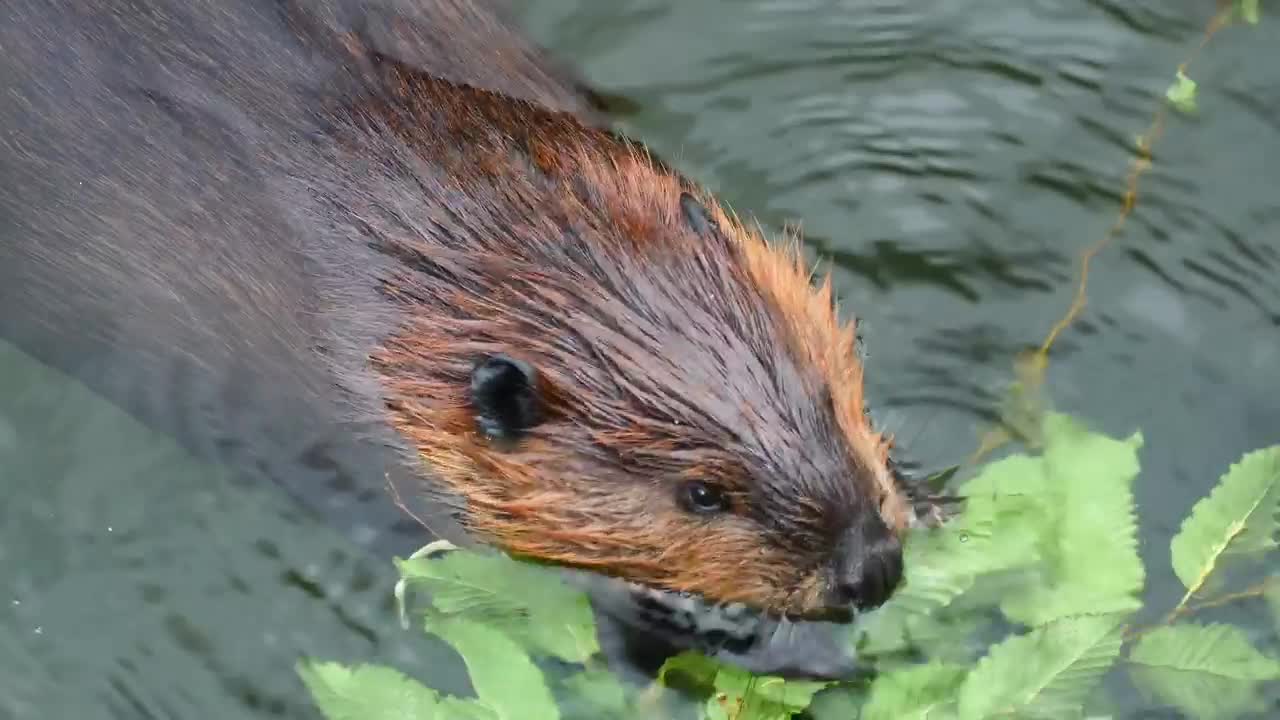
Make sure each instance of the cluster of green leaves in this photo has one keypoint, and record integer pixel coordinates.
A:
(1048, 543)
(1017, 607)
(501, 616)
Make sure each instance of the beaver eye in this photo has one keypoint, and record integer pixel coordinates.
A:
(504, 396)
(703, 499)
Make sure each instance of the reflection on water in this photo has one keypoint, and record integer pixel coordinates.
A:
(951, 159)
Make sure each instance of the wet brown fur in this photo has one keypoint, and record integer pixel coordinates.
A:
(581, 264)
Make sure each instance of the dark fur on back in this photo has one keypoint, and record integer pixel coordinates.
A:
(156, 242)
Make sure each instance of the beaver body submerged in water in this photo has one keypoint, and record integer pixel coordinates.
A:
(329, 242)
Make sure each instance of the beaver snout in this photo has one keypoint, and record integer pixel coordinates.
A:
(867, 566)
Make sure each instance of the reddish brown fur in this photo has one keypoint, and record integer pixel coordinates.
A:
(586, 488)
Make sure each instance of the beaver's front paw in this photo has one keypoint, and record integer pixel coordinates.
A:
(641, 627)
(807, 650)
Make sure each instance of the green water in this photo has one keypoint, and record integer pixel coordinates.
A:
(951, 158)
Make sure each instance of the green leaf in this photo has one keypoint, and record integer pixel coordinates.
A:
(1000, 537)
(731, 699)
(1047, 673)
(1208, 671)
(839, 703)
(946, 635)
(739, 695)
(528, 602)
(994, 532)
(452, 708)
(1238, 517)
(921, 692)
(1089, 539)
(367, 692)
(504, 677)
(736, 694)
(1182, 93)
(431, 549)
(697, 668)
(793, 694)
(598, 691)
(1248, 9)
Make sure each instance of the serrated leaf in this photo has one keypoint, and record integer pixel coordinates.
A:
(1238, 517)
(504, 677)
(526, 601)
(1089, 540)
(1047, 673)
(367, 692)
(1182, 93)
(1218, 650)
(997, 536)
(994, 532)
(922, 692)
(1207, 671)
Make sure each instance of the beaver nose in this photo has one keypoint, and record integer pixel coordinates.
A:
(867, 565)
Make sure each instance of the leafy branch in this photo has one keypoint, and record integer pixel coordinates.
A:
(1030, 368)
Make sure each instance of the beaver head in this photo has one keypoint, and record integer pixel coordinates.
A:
(610, 371)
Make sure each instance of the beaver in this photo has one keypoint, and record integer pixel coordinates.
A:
(341, 244)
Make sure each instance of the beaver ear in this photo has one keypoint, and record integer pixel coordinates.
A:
(504, 395)
(696, 215)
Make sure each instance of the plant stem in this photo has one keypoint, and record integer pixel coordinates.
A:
(1185, 608)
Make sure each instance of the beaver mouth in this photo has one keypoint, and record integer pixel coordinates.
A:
(813, 644)
(682, 610)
